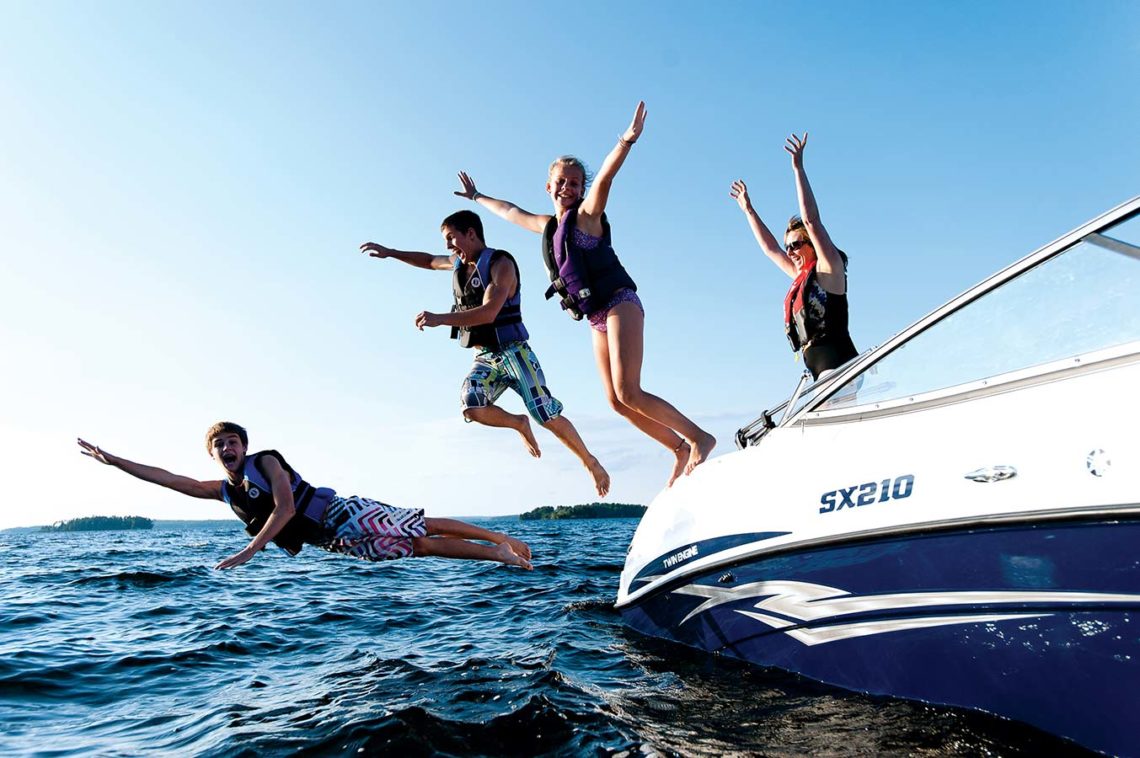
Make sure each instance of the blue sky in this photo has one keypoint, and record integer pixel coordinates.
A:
(183, 187)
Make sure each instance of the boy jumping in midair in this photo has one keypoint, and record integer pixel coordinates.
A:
(488, 317)
(277, 505)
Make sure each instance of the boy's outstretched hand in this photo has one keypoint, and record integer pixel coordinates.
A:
(236, 559)
(375, 250)
(93, 451)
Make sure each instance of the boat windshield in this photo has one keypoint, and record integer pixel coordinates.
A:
(1083, 299)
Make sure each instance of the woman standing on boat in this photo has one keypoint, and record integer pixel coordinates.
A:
(815, 308)
(591, 282)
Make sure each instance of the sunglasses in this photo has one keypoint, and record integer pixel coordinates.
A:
(795, 245)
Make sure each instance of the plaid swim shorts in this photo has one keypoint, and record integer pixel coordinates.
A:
(516, 366)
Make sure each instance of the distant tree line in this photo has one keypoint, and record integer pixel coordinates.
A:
(100, 524)
(589, 510)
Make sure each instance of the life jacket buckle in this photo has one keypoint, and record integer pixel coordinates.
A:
(570, 306)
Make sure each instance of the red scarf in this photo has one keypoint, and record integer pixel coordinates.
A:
(794, 300)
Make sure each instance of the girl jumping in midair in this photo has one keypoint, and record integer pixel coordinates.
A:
(592, 283)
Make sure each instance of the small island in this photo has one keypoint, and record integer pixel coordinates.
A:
(590, 510)
(100, 524)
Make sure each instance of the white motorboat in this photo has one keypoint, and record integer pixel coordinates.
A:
(952, 517)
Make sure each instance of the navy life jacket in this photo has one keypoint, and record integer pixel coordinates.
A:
(252, 501)
(507, 326)
(584, 280)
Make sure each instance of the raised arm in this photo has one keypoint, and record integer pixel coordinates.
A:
(504, 209)
(283, 510)
(595, 202)
(767, 241)
(829, 260)
(210, 490)
(412, 258)
(503, 283)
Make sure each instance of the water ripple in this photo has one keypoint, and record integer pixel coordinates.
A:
(129, 644)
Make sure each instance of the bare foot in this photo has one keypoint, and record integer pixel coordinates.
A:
(504, 554)
(601, 478)
(518, 546)
(682, 454)
(702, 446)
(528, 438)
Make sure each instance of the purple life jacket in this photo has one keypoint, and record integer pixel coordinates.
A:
(584, 279)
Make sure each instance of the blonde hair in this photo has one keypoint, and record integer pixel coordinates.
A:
(570, 161)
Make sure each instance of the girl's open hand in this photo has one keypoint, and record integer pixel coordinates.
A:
(468, 183)
(637, 125)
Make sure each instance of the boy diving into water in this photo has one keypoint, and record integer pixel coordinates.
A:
(488, 317)
(277, 505)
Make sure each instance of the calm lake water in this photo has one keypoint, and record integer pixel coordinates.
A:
(129, 643)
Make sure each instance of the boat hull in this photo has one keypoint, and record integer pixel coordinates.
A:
(1022, 620)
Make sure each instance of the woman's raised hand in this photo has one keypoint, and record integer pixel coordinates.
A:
(739, 193)
(468, 183)
(795, 145)
(637, 125)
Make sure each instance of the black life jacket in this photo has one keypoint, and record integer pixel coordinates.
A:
(252, 501)
(507, 326)
(584, 280)
(816, 321)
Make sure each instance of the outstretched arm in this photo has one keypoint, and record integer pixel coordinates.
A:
(211, 490)
(767, 241)
(595, 202)
(503, 283)
(825, 250)
(283, 510)
(504, 209)
(413, 258)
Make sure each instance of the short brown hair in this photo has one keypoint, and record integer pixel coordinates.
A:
(464, 221)
(226, 427)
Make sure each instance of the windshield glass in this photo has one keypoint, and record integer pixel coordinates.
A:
(1084, 299)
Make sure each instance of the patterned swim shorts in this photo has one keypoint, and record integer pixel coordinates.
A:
(370, 529)
(515, 366)
(624, 295)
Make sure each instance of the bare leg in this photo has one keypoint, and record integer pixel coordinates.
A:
(654, 429)
(461, 529)
(663, 434)
(493, 415)
(561, 427)
(451, 547)
(625, 335)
